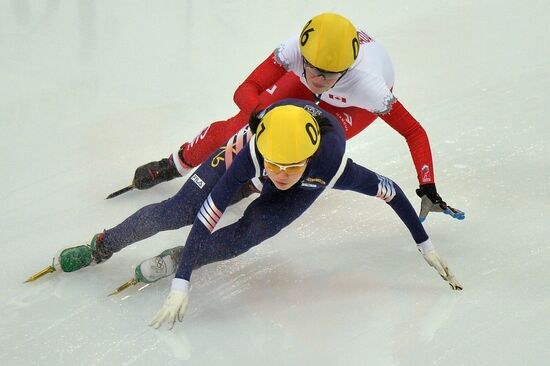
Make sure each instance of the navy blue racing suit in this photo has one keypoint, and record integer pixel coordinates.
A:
(205, 196)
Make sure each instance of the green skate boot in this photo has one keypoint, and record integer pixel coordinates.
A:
(74, 258)
(155, 268)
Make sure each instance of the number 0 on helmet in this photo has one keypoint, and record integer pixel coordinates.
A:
(288, 134)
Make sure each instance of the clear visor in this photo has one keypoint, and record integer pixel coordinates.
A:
(327, 75)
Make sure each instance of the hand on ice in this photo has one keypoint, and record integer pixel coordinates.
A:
(432, 202)
(434, 260)
(174, 306)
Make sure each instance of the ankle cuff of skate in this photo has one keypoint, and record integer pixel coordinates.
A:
(99, 252)
(180, 165)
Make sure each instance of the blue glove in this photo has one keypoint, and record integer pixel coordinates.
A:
(432, 202)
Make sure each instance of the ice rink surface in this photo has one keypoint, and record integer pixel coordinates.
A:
(92, 89)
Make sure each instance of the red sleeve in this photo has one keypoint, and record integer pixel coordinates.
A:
(247, 95)
(417, 139)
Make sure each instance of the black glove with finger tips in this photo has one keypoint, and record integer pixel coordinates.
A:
(432, 202)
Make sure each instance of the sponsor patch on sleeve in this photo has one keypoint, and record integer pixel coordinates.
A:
(198, 181)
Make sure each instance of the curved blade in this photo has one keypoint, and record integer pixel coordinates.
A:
(43, 272)
(119, 192)
(124, 286)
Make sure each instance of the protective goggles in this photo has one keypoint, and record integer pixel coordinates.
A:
(327, 75)
(289, 169)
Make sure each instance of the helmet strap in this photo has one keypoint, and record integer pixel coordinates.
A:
(316, 97)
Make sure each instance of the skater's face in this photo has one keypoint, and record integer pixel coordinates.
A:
(319, 81)
(284, 176)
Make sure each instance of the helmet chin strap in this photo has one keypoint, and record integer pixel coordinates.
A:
(316, 97)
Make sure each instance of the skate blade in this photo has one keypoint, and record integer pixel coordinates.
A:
(124, 286)
(43, 272)
(120, 191)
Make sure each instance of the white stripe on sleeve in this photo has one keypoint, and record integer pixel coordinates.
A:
(338, 172)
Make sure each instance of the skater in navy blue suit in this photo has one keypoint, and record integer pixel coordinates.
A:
(292, 151)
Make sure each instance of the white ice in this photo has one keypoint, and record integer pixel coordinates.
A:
(92, 89)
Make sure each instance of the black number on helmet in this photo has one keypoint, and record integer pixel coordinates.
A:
(261, 129)
(305, 34)
(355, 46)
(312, 133)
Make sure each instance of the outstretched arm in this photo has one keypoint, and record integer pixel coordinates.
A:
(360, 179)
(244, 167)
(403, 122)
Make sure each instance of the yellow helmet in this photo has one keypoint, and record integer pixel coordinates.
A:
(288, 134)
(329, 42)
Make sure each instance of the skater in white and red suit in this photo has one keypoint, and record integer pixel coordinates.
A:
(346, 72)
